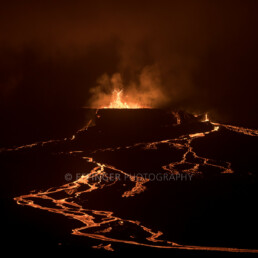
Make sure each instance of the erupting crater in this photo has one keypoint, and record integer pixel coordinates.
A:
(118, 102)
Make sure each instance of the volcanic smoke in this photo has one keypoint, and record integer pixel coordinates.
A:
(143, 92)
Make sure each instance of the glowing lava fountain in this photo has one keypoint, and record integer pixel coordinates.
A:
(118, 103)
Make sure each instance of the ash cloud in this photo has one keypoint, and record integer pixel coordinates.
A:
(202, 54)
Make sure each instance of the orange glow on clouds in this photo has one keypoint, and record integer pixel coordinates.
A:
(112, 91)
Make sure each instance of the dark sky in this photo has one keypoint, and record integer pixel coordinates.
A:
(53, 52)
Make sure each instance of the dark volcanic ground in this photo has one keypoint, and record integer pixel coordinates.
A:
(147, 180)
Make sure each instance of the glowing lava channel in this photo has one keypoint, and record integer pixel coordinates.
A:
(100, 224)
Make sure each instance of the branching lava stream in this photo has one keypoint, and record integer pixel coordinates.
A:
(103, 225)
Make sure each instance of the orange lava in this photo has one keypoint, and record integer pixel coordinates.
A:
(117, 101)
(102, 224)
(99, 224)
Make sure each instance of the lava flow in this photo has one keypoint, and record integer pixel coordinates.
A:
(105, 225)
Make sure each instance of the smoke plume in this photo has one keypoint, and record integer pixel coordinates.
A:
(145, 90)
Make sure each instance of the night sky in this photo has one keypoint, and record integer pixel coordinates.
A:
(53, 52)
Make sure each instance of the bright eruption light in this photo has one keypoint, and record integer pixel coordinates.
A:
(119, 103)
